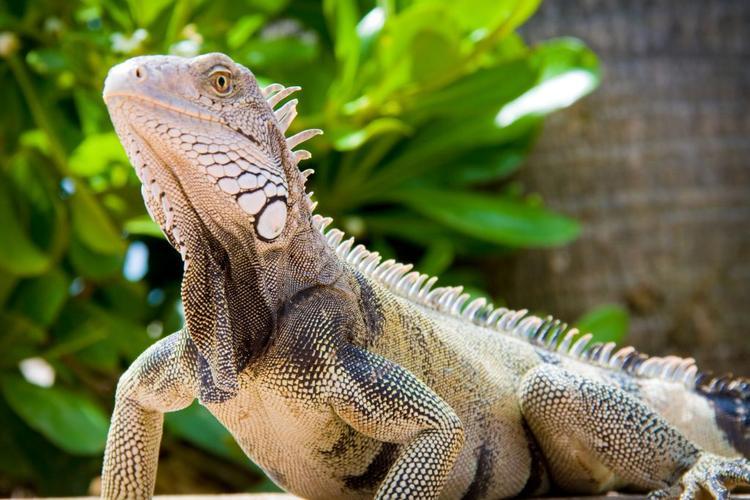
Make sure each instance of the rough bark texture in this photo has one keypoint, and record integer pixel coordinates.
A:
(656, 165)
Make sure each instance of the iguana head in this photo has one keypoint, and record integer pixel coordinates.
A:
(220, 179)
(208, 147)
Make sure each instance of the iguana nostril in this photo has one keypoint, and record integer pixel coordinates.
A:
(139, 73)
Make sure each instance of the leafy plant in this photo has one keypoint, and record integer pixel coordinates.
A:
(609, 322)
(429, 107)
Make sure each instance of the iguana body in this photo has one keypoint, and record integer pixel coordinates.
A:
(344, 377)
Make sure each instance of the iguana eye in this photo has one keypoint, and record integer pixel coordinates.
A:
(221, 81)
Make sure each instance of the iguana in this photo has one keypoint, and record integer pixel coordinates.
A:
(346, 377)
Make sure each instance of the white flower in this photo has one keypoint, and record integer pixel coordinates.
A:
(155, 329)
(122, 44)
(288, 28)
(53, 25)
(191, 45)
(37, 371)
(372, 23)
(185, 48)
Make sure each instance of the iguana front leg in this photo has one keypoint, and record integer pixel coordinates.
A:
(384, 401)
(597, 437)
(157, 382)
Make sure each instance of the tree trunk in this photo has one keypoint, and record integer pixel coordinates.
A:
(656, 165)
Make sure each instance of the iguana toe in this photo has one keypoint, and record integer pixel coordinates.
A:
(713, 476)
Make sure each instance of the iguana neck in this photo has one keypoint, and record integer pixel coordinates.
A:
(280, 271)
(232, 293)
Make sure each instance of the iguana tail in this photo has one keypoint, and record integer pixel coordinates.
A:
(714, 412)
(730, 399)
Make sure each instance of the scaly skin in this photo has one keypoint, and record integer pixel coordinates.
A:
(344, 377)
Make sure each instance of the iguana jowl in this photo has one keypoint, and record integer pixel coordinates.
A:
(345, 377)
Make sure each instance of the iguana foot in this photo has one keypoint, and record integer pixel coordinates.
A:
(711, 476)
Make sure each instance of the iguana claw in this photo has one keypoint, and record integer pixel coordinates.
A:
(711, 476)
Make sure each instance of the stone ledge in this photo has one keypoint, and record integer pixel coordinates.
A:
(283, 496)
(235, 496)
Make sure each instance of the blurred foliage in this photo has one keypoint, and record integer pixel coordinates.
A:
(608, 322)
(429, 107)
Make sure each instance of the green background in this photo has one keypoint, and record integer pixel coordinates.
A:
(429, 107)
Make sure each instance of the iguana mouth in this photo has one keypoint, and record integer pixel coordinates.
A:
(163, 103)
(129, 80)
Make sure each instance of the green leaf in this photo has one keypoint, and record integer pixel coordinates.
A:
(355, 139)
(78, 327)
(83, 324)
(487, 15)
(40, 299)
(7, 285)
(407, 226)
(438, 258)
(143, 225)
(18, 255)
(126, 298)
(280, 52)
(96, 153)
(484, 165)
(499, 167)
(608, 323)
(488, 87)
(433, 54)
(560, 55)
(93, 115)
(243, 29)
(37, 139)
(422, 31)
(495, 219)
(266, 6)
(14, 460)
(29, 458)
(93, 226)
(46, 61)
(567, 71)
(102, 356)
(342, 17)
(440, 144)
(69, 420)
(93, 265)
(40, 209)
(20, 338)
(368, 30)
(146, 11)
(492, 107)
(522, 10)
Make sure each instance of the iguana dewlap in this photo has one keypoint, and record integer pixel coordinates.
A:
(346, 377)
